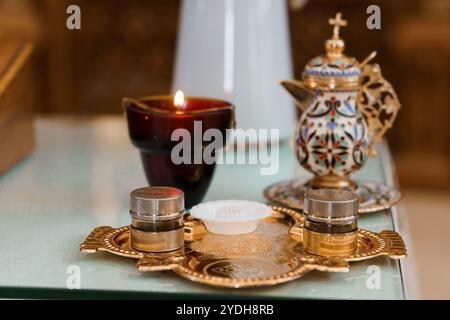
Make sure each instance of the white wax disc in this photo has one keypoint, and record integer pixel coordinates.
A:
(231, 216)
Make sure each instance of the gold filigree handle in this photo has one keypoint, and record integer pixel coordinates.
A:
(94, 241)
(378, 103)
(395, 246)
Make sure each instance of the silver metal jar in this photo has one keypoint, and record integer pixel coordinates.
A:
(157, 219)
(330, 222)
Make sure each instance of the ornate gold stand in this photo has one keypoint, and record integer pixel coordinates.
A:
(332, 182)
(372, 196)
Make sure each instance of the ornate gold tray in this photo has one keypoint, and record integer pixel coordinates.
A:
(372, 196)
(271, 255)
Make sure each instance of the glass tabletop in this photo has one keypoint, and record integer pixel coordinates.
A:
(79, 177)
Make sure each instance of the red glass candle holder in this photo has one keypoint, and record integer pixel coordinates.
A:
(151, 122)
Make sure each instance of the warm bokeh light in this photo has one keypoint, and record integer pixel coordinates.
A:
(178, 101)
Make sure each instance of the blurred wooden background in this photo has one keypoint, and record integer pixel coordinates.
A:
(126, 48)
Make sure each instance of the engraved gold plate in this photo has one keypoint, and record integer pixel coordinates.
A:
(268, 256)
(273, 254)
(372, 196)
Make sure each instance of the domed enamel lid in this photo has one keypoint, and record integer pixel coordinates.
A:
(333, 70)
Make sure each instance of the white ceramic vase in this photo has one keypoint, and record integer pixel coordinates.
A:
(238, 51)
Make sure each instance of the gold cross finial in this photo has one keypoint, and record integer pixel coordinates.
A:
(337, 23)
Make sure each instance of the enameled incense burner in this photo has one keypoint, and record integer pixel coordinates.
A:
(347, 106)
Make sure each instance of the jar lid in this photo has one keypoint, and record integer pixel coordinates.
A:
(156, 203)
(333, 70)
(331, 206)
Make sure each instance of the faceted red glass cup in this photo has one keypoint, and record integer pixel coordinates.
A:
(151, 122)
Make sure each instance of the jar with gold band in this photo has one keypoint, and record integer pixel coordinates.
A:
(157, 219)
(330, 222)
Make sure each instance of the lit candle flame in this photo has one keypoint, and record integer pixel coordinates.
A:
(178, 101)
